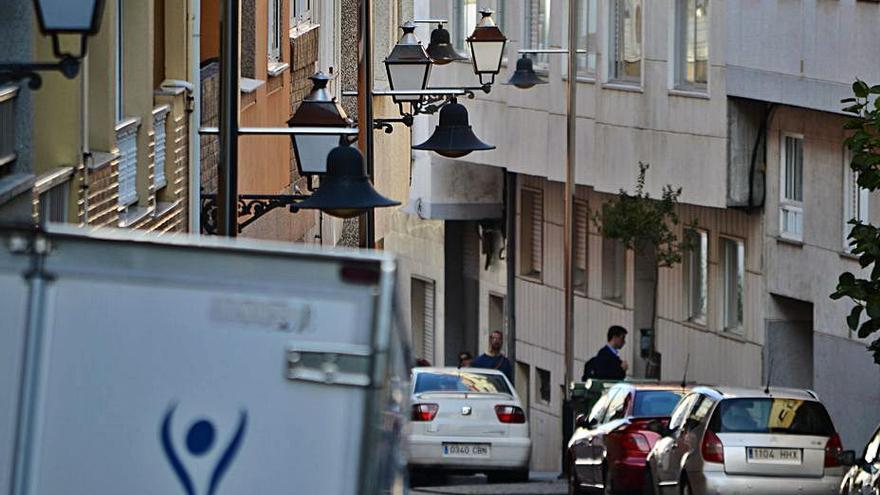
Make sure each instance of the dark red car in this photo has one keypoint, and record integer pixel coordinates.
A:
(607, 452)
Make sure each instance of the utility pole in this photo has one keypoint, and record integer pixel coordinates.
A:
(230, 54)
(367, 223)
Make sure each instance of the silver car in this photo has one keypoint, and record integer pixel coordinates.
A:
(731, 441)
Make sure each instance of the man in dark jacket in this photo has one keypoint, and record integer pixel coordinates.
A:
(607, 364)
(494, 359)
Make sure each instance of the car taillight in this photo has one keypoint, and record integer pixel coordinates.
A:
(424, 412)
(510, 414)
(833, 449)
(635, 442)
(712, 448)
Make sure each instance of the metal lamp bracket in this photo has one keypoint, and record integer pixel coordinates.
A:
(68, 65)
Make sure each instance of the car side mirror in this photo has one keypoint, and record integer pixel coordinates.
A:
(582, 421)
(847, 458)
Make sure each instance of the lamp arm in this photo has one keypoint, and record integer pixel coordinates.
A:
(12, 72)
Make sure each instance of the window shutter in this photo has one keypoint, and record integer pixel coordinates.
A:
(580, 236)
(428, 350)
(538, 232)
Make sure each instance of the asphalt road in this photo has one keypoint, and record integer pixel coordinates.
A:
(539, 484)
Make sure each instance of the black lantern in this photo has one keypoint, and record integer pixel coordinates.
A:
(440, 49)
(318, 109)
(524, 77)
(345, 191)
(408, 65)
(453, 137)
(487, 48)
(57, 17)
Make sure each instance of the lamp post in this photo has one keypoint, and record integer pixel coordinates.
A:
(56, 18)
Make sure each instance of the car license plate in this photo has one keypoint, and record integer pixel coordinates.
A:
(773, 456)
(466, 450)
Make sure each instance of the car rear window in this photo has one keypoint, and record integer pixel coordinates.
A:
(772, 415)
(461, 381)
(655, 402)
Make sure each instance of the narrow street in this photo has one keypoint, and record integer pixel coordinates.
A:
(540, 483)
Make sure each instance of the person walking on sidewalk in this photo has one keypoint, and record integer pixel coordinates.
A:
(607, 363)
(494, 359)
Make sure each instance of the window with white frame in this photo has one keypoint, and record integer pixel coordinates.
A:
(626, 41)
(536, 29)
(587, 21)
(855, 198)
(733, 279)
(422, 317)
(300, 13)
(696, 272)
(581, 237)
(791, 188)
(53, 203)
(274, 31)
(613, 270)
(532, 233)
(119, 71)
(692, 44)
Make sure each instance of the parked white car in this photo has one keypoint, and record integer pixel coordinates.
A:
(467, 420)
(733, 441)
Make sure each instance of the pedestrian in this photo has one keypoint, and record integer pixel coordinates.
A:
(493, 358)
(607, 363)
(422, 362)
(464, 359)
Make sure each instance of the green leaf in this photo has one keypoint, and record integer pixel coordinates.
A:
(847, 279)
(868, 328)
(875, 90)
(861, 89)
(854, 317)
(848, 100)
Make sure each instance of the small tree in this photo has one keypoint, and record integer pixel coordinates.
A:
(645, 225)
(864, 239)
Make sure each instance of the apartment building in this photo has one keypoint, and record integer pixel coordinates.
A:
(734, 102)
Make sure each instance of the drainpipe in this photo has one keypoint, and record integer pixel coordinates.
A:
(195, 119)
(510, 255)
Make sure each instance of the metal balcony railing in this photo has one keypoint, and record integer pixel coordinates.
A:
(160, 117)
(126, 143)
(7, 125)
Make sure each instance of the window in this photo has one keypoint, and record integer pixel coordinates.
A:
(651, 403)
(696, 271)
(626, 41)
(873, 448)
(597, 413)
(617, 405)
(536, 29)
(701, 410)
(532, 233)
(300, 12)
(587, 21)
(543, 385)
(791, 197)
(53, 204)
(733, 261)
(470, 381)
(680, 413)
(422, 317)
(275, 26)
(497, 319)
(692, 44)
(613, 270)
(120, 60)
(769, 415)
(855, 199)
(581, 237)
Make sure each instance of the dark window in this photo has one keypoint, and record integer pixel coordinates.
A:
(617, 406)
(461, 381)
(768, 415)
(544, 384)
(655, 402)
(598, 411)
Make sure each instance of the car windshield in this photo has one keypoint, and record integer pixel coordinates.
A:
(461, 381)
(769, 415)
(655, 402)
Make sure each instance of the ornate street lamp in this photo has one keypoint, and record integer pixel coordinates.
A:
(345, 190)
(524, 77)
(408, 65)
(318, 109)
(440, 49)
(453, 137)
(57, 17)
(487, 48)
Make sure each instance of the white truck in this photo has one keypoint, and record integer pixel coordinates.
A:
(132, 365)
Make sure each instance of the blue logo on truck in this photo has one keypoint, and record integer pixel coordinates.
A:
(199, 441)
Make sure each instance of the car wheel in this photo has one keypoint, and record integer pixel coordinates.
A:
(686, 486)
(518, 476)
(648, 485)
